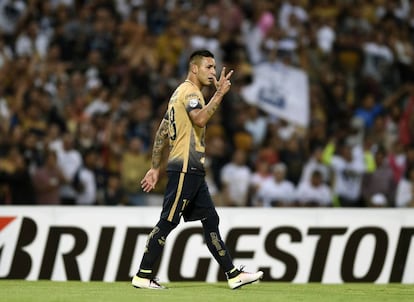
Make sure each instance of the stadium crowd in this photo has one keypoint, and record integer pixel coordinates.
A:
(85, 83)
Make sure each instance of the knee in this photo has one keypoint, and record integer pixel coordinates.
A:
(166, 226)
(211, 222)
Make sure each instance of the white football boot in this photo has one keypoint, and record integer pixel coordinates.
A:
(244, 278)
(139, 282)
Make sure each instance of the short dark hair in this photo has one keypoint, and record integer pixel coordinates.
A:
(316, 173)
(200, 53)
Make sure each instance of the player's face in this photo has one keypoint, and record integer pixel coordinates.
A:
(207, 71)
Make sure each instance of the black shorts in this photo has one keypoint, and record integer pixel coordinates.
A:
(186, 195)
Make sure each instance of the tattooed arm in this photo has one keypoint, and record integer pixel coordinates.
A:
(161, 140)
(200, 117)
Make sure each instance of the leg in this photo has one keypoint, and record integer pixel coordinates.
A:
(236, 277)
(215, 244)
(170, 218)
(154, 247)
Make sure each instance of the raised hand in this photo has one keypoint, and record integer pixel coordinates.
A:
(223, 84)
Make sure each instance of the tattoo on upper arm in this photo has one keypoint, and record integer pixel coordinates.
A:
(159, 142)
(164, 129)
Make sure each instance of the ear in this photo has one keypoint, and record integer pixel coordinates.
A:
(194, 68)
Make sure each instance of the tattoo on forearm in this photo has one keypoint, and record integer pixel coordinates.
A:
(210, 111)
(159, 143)
(157, 153)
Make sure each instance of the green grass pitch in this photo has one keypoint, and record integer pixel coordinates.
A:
(45, 291)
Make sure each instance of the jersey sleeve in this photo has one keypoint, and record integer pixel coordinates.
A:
(192, 100)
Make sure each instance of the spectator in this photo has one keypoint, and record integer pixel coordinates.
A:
(47, 180)
(15, 174)
(407, 119)
(69, 161)
(11, 14)
(378, 57)
(115, 142)
(314, 192)
(294, 159)
(114, 193)
(31, 42)
(277, 191)
(405, 190)
(371, 109)
(235, 177)
(140, 120)
(256, 32)
(256, 125)
(31, 147)
(315, 162)
(260, 175)
(33, 120)
(397, 159)
(404, 50)
(84, 180)
(86, 136)
(380, 181)
(134, 165)
(348, 170)
(216, 156)
(6, 53)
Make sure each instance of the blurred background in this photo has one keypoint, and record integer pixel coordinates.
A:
(84, 85)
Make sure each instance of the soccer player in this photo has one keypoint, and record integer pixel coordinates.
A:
(187, 195)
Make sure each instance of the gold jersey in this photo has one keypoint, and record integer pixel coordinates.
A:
(186, 140)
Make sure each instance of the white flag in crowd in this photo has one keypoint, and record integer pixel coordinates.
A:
(280, 90)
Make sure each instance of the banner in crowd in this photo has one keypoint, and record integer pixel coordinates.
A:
(280, 90)
(289, 245)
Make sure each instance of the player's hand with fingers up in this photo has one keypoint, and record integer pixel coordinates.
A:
(223, 84)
